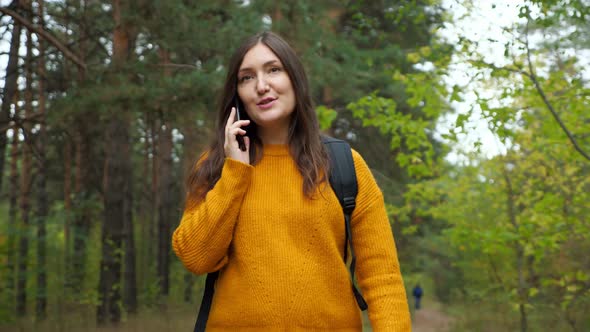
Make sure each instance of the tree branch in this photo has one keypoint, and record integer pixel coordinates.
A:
(27, 139)
(533, 78)
(45, 35)
(12, 121)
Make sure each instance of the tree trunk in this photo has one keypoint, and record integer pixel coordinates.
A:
(21, 285)
(26, 183)
(130, 256)
(81, 223)
(67, 282)
(85, 122)
(165, 207)
(114, 223)
(153, 226)
(130, 298)
(165, 192)
(10, 87)
(144, 207)
(520, 255)
(116, 174)
(130, 270)
(12, 212)
(42, 205)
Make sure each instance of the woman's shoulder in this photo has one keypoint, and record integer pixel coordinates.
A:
(356, 156)
(368, 189)
(364, 174)
(359, 162)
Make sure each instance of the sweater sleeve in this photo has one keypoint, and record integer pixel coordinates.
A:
(378, 269)
(205, 232)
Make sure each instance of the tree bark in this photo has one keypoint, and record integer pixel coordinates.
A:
(165, 207)
(116, 174)
(165, 192)
(21, 288)
(67, 282)
(87, 127)
(81, 222)
(153, 221)
(68, 152)
(13, 211)
(9, 90)
(144, 207)
(42, 205)
(114, 223)
(130, 272)
(520, 255)
(130, 298)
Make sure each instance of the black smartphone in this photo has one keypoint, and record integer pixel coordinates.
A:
(240, 138)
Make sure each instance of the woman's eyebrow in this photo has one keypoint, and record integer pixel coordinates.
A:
(268, 63)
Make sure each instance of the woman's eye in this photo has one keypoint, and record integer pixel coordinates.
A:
(275, 69)
(244, 78)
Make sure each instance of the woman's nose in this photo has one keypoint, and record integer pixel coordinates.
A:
(262, 86)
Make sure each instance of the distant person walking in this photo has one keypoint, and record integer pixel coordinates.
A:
(417, 293)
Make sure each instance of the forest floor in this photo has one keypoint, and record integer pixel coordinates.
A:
(430, 319)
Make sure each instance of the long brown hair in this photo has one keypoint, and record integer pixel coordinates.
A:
(304, 132)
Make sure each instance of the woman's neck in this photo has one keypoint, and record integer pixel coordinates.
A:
(274, 136)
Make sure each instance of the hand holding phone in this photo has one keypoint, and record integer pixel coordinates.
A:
(239, 138)
(234, 130)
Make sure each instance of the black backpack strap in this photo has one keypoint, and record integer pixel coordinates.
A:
(344, 183)
(201, 323)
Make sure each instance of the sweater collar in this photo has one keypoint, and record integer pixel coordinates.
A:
(275, 149)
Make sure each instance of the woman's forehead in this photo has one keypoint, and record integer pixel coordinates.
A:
(258, 56)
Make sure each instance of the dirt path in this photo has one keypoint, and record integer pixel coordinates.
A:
(430, 319)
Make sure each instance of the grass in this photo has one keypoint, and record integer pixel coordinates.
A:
(148, 320)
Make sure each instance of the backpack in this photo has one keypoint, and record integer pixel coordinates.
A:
(343, 182)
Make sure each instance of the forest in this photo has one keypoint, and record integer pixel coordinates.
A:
(106, 106)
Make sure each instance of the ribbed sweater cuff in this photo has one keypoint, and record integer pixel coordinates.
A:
(236, 174)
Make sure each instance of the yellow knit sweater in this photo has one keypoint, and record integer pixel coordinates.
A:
(280, 253)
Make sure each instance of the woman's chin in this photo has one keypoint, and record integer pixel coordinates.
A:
(270, 119)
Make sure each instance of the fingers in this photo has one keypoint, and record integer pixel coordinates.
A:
(231, 119)
(236, 131)
(231, 122)
(234, 128)
(238, 150)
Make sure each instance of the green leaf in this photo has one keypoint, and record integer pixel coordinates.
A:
(461, 119)
(326, 116)
(533, 291)
(455, 95)
(413, 57)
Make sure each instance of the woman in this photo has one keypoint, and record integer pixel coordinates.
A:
(265, 216)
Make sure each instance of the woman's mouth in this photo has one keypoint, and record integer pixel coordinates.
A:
(266, 103)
